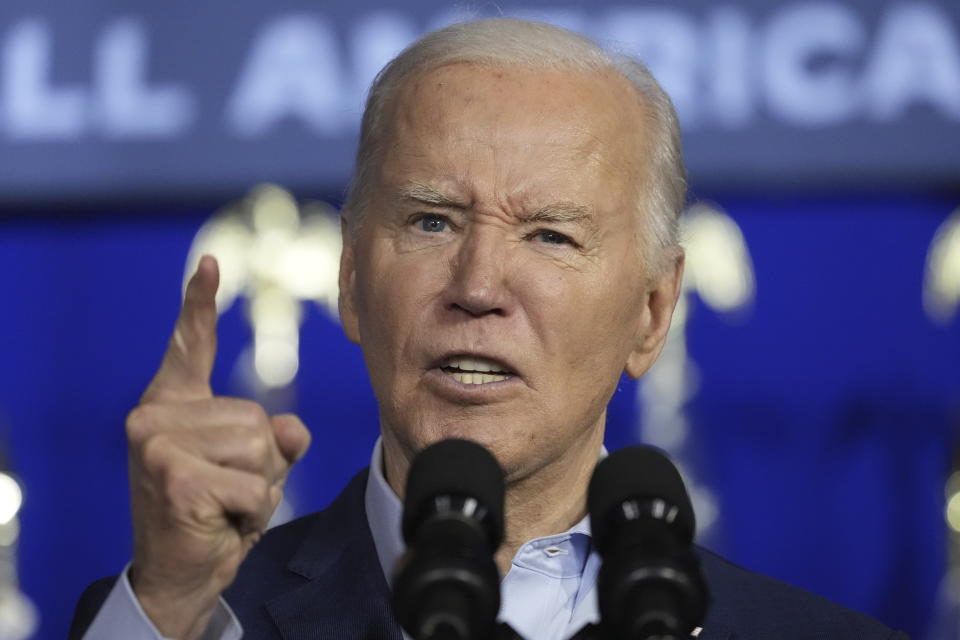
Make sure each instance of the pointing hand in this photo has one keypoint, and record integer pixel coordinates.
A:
(206, 473)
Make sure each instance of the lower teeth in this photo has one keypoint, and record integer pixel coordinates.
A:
(478, 378)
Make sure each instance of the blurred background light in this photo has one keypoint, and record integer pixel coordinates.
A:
(274, 254)
(953, 512)
(11, 497)
(952, 493)
(9, 532)
(941, 291)
(718, 263)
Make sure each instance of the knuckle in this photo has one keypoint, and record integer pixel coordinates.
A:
(258, 448)
(241, 412)
(252, 413)
(155, 452)
(196, 320)
(139, 422)
(260, 490)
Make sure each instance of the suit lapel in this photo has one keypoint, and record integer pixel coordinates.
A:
(346, 596)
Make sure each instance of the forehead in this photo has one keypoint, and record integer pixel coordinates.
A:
(521, 132)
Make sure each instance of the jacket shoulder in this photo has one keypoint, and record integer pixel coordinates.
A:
(752, 605)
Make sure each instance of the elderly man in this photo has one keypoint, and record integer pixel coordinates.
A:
(510, 247)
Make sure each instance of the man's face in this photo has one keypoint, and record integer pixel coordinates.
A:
(495, 283)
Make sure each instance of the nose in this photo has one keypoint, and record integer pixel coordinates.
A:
(478, 283)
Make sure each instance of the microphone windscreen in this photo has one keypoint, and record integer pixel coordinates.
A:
(634, 473)
(456, 468)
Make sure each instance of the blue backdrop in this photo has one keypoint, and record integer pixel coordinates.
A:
(827, 412)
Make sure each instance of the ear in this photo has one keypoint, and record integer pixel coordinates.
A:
(660, 300)
(346, 302)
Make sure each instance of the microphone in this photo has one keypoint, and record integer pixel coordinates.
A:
(650, 584)
(447, 586)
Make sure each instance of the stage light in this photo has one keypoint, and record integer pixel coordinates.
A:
(11, 497)
(941, 287)
(718, 265)
(276, 361)
(953, 512)
(275, 254)
(951, 509)
(9, 532)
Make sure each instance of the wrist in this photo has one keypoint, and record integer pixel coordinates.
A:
(176, 612)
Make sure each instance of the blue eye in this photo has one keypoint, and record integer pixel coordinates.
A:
(553, 237)
(433, 223)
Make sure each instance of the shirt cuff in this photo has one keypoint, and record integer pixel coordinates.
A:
(121, 616)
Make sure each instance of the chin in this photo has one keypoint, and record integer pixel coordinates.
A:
(463, 432)
(490, 439)
(509, 442)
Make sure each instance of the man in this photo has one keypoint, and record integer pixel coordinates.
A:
(509, 249)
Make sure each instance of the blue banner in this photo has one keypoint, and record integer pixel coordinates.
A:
(184, 100)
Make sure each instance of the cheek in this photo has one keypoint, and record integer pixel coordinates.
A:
(593, 329)
(395, 294)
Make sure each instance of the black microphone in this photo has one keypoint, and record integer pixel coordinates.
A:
(650, 585)
(447, 586)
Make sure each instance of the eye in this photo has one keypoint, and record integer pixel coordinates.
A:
(551, 237)
(432, 223)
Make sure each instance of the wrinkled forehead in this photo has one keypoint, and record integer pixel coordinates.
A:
(527, 121)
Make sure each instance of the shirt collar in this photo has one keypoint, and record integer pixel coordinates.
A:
(385, 512)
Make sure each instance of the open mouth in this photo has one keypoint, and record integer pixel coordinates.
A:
(475, 370)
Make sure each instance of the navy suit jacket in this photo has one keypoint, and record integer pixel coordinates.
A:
(319, 578)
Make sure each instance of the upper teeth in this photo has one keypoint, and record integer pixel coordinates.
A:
(468, 363)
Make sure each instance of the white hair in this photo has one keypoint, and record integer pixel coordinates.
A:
(512, 43)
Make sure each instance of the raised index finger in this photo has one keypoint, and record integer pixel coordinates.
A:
(184, 373)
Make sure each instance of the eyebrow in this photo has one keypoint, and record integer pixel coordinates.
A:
(425, 194)
(562, 213)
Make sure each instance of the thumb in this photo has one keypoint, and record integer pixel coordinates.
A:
(293, 438)
(184, 373)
